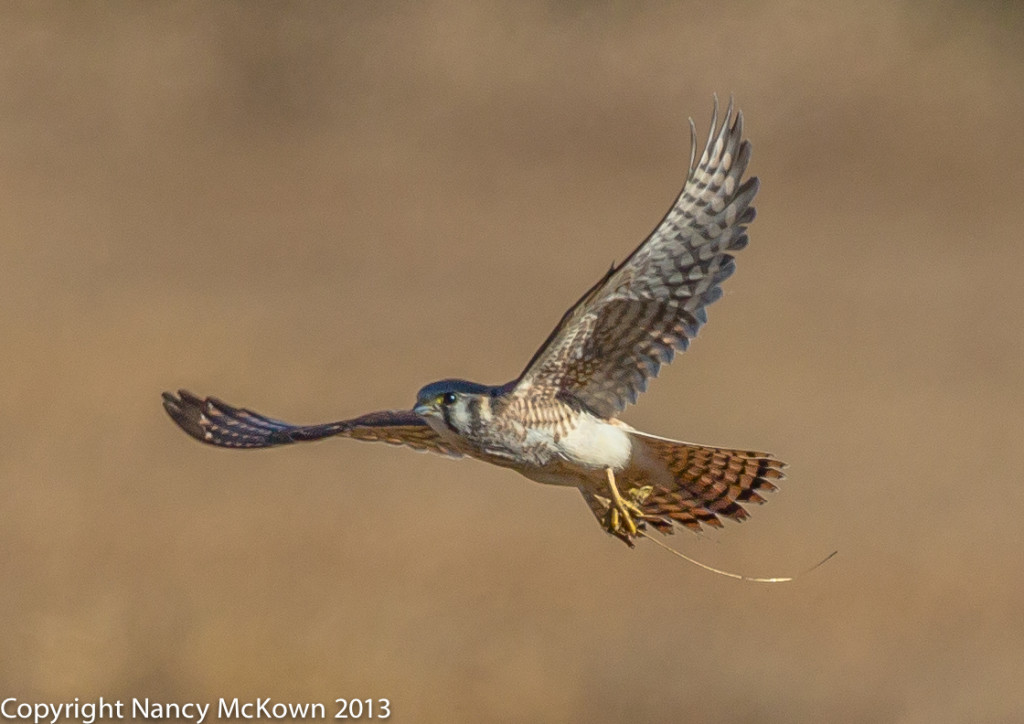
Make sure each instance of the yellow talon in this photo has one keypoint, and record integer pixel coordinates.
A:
(620, 512)
(639, 496)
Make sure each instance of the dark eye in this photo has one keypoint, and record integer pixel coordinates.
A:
(448, 398)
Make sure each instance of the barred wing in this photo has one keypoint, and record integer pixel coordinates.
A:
(215, 422)
(616, 337)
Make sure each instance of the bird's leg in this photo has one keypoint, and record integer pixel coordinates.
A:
(619, 520)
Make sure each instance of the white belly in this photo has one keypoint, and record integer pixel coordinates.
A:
(580, 457)
(596, 444)
(576, 458)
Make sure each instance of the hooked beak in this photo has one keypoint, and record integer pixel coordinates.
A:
(424, 410)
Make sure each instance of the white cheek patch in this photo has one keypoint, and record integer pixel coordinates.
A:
(459, 415)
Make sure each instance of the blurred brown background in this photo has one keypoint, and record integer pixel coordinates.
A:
(313, 209)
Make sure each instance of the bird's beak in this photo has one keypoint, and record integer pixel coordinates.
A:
(423, 410)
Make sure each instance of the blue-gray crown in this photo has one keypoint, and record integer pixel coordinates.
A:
(431, 392)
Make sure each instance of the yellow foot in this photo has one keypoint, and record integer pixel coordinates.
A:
(619, 520)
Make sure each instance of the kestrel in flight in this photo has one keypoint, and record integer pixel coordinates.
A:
(556, 423)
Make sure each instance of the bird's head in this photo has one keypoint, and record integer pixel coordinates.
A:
(448, 402)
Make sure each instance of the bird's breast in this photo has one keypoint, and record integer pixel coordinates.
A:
(577, 456)
(566, 450)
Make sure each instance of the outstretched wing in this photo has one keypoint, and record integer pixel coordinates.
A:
(215, 422)
(616, 337)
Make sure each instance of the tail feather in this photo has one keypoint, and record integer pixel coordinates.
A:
(706, 484)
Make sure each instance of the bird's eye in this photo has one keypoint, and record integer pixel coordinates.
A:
(448, 398)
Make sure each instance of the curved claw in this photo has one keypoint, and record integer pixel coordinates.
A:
(623, 514)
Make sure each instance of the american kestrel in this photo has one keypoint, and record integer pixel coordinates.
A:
(556, 423)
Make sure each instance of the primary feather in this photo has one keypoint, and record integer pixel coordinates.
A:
(616, 337)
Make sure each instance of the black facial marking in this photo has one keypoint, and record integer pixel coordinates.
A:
(446, 415)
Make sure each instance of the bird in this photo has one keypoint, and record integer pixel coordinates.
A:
(558, 422)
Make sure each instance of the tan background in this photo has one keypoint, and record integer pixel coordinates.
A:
(312, 210)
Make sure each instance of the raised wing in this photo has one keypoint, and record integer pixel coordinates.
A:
(215, 422)
(616, 337)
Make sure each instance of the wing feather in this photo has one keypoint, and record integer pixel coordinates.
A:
(609, 345)
(215, 422)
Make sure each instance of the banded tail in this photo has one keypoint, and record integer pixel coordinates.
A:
(707, 483)
(693, 485)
